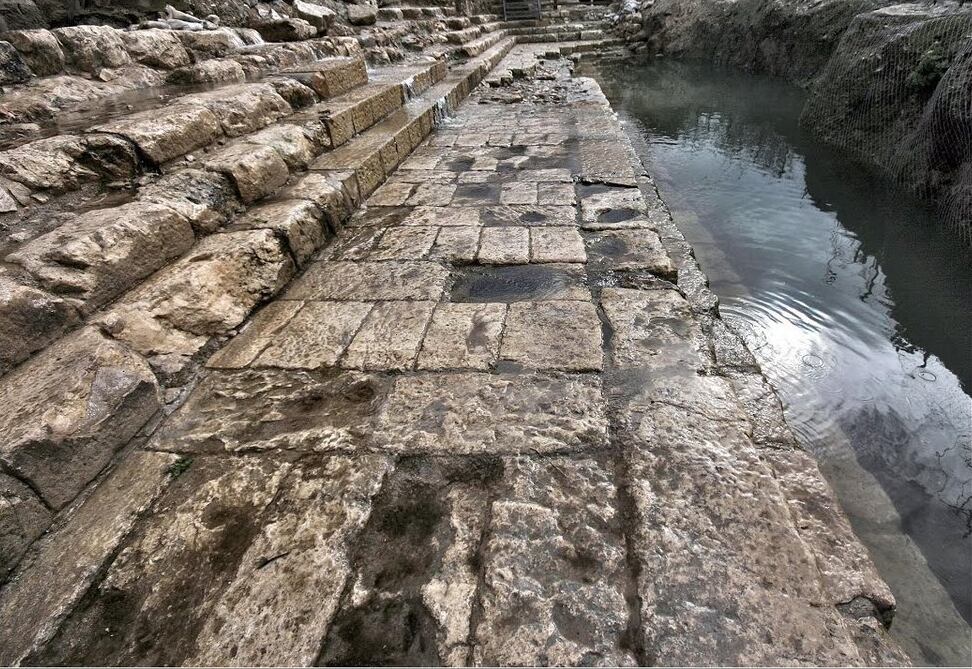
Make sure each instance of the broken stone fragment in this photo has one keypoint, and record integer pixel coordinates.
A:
(207, 199)
(286, 30)
(317, 15)
(362, 15)
(257, 171)
(70, 409)
(300, 222)
(102, 253)
(39, 49)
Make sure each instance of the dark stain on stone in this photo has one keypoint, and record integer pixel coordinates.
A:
(463, 164)
(512, 283)
(477, 193)
(618, 215)
(533, 217)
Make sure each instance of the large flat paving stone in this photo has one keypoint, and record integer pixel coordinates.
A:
(463, 336)
(315, 337)
(404, 280)
(61, 567)
(390, 336)
(555, 568)
(69, 409)
(480, 413)
(273, 409)
(553, 335)
(651, 329)
(639, 249)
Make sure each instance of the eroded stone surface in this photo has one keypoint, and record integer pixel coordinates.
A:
(481, 413)
(23, 518)
(69, 409)
(463, 336)
(315, 337)
(553, 335)
(389, 338)
(370, 281)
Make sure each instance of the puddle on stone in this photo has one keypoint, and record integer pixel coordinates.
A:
(520, 283)
(586, 189)
(618, 215)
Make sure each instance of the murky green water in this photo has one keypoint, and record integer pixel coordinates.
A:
(855, 301)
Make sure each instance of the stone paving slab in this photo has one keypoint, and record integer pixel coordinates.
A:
(493, 422)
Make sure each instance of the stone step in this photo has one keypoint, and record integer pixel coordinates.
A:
(109, 377)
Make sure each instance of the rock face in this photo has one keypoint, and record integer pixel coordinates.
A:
(887, 81)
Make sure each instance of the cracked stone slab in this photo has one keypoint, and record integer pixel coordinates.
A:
(257, 335)
(363, 281)
(442, 216)
(463, 336)
(390, 337)
(414, 586)
(272, 409)
(553, 335)
(506, 245)
(285, 594)
(405, 243)
(562, 245)
(59, 568)
(155, 596)
(556, 556)
(432, 195)
(464, 413)
(630, 250)
(315, 337)
(651, 328)
(529, 215)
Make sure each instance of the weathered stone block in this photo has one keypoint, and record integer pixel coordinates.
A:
(362, 15)
(13, 68)
(482, 413)
(389, 338)
(317, 336)
(23, 518)
(640, 249)
(257, 171)
(286, 30)
(70, 409)
(364, 281)
(405, 243)
(243, 109)
(216, 70)
(47, 164)
(91, 48)
(335, 193)
(463, 336)
(168, 133)
(290, 141)
(211, 44)
(556, 245)
(156, 48)
(553, 335)
(30, 319)
(299, 221)
(39, 49)
(63, 565)
(508, 245)
(206, 199)
(332, 77)
(651, 329)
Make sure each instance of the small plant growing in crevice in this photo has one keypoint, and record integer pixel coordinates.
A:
(179, 467)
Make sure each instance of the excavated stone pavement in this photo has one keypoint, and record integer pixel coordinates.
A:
(497, 421)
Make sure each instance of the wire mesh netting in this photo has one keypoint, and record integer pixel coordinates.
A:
(898, 92)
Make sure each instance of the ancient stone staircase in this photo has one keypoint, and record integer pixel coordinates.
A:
(139, 240)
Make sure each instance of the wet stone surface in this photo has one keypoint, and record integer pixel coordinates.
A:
(480, 426)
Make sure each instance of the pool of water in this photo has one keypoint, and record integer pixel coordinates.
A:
(856, 302)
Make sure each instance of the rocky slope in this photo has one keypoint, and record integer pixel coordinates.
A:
(887, 81)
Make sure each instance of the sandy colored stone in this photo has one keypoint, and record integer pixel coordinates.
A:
(30, 319)
(168, 133)
(335, 193)
(457, 244)
(243, 108)
(390, 336)
(316, 336)
(506, 245)
(300, 222)
(529, 215)
(362, 281)
(481, 413)
(39, 49)
(630, 250)
(91, 48)
(432, 195)
(47, 164)
(290, 141)
(160, 589)
(553, 335)
(70, 409)
(155, 48)
(763, 407)
(556, 556)
(277, 613)
(556, 245)
(257, 171)
(653, 329)
(216, 70)
(558, 194)
(442, 216)
(463, 336)
(59, 569)
(519, 192)
(405, 243)
(243, 349)
(208, 200)
(605, 204)
(391, 194)
(273, 409)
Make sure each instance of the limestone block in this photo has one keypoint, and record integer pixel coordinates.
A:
(529, 215)
(256, 335)
(91, 48)
(463, 336)
(508, 245)
(553, 335)
(639, 249)
(156, 48)
(333, 76)
(272, 409)
(651, 329)
(39, 49)
(556, 555)
(297, 95)
(290, 141)
(300, 222)
(244, 108)
(335, 193)
(466, 413)
(317, 15)
(206, 199)
(405, 243)
(257, 171)
(211, 44)
(70, 409)
(364, 281)
(286, 30)
(457, 245)
(57, 573)
(103, 253)
(216, 70)
(317, 336)
(362, 15)
(167, 133)
(30, 319)
(389, 338)
(47, 164)
(556, 245)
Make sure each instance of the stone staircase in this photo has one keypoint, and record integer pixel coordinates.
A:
(138, 241)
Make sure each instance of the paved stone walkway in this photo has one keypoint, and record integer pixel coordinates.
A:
(497, 421)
